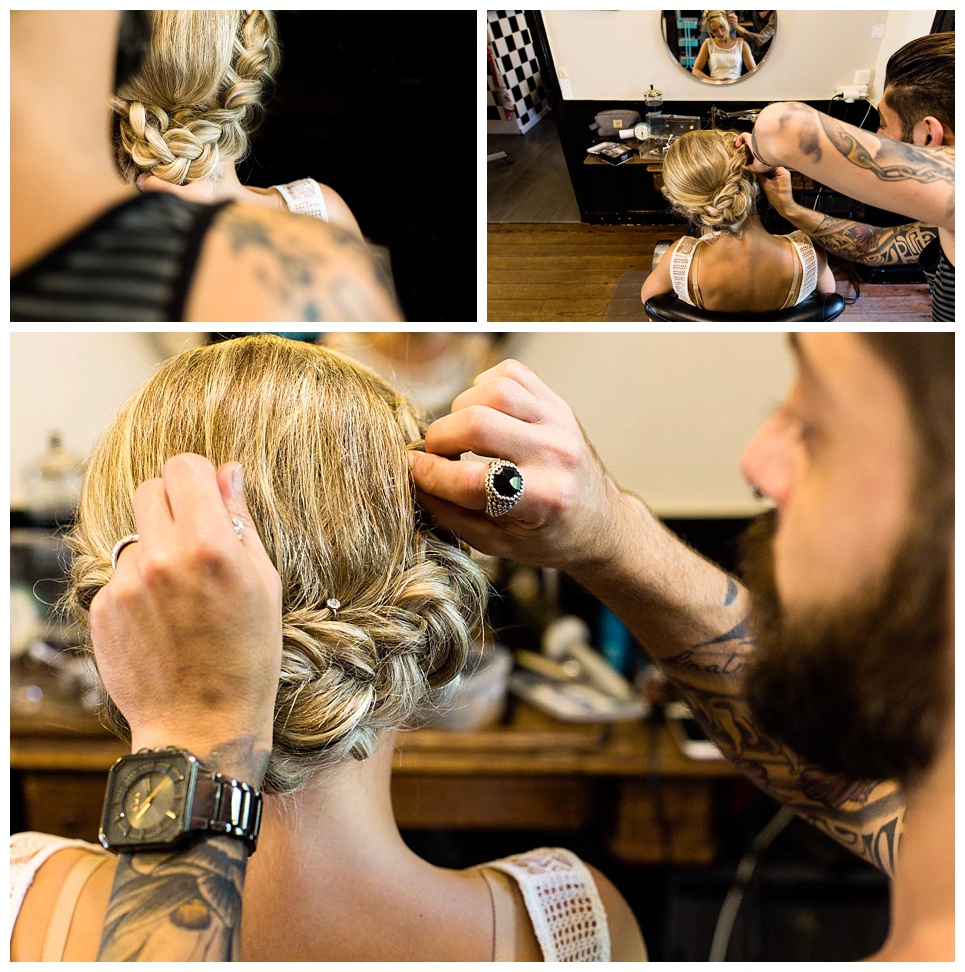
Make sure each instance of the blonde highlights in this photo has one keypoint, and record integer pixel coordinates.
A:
(199, 94)
(706, 180)
(323, 444)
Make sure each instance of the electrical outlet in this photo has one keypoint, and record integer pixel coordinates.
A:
(566, 88)
(878, 30)
(851, 92)
(562, 72)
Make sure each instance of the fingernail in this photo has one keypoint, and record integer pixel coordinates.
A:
(237, 480)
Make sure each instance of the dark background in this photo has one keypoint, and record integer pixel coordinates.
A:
(379, 105)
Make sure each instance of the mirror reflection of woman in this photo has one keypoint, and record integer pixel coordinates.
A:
(722, 56)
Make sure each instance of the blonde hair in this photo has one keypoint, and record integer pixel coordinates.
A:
(705, 179)
(199, 94)
(322, 442)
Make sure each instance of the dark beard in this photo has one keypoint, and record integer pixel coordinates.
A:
(859, 687)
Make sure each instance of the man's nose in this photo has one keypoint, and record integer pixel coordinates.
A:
(768, 463)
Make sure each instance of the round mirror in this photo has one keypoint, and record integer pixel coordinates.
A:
(719, 46)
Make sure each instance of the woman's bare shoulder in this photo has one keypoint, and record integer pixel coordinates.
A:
(41, 900)
(626, 939)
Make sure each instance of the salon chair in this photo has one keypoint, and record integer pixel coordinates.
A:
(817, 307)
(669, 307)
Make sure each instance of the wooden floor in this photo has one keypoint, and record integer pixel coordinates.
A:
(569, 271)
(534, 187)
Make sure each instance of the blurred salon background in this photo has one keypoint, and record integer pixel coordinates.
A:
(613, 771)
(364, 104)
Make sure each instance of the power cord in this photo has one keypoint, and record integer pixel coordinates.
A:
(742, 878)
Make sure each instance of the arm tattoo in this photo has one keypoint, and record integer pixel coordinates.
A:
(179, 906)
(864, 816)
(338, 283)
(892, 161)
(874, 246)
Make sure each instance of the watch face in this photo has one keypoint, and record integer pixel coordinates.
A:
(147, 798)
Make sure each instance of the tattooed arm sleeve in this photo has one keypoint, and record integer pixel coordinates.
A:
(874, 246)
(177, 907)
(917, 182)
(692, 619)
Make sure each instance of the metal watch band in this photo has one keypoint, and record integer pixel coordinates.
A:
(226, 806)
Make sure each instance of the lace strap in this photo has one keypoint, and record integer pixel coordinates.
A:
(304, 196)
(808, 260)
(680, 267)
(563, 902)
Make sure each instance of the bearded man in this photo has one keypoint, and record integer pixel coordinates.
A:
(829, 680)
(917, 108)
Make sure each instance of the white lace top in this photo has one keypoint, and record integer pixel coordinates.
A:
(802, 286)
(563, 904)
(304, 196)
(722, 63)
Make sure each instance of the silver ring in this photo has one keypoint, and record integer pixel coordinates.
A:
(239, 527)
(333, 604)
(504, 487)
(120, 545)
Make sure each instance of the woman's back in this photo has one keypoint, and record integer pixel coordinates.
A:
(752, 271)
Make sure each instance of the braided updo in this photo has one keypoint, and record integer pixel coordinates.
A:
(705, 179)
(322, 442)
(199, 94)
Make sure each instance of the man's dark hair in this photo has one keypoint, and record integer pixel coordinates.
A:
(924, 365)
(920, 81)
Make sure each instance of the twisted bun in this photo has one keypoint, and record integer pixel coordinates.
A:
(323, 445)
(199, 94)
(705, 180)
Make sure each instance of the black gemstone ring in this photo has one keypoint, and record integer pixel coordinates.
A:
(504, 486)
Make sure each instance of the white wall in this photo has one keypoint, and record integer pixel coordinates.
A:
(669, 413)
(617, 54)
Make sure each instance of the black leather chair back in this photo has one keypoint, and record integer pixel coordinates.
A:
(817, 307)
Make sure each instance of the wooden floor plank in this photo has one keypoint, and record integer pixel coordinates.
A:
(569, 271)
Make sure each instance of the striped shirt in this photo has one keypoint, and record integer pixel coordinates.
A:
(134, 263)
(940, 273)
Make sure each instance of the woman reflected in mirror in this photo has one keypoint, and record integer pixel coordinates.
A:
(722, 57)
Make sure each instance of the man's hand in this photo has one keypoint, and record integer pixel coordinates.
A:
(187, 634)
(777, 188)
(569, 505)
(756, 165)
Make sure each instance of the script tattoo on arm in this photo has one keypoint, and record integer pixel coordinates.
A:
(338, 281)
(179, 906)
(874, 246)
(864, 816)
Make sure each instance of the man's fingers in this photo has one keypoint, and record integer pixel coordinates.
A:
(194, 495)
(457, 482)
(482, 430)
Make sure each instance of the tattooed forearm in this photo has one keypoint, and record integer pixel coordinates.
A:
(874, 246)
(334, 278)
(864, 816)
(889, 160)
(178, 906)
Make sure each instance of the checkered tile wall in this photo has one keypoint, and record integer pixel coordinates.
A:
(511, 50)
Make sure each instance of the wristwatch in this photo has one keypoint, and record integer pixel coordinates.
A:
(157, 798)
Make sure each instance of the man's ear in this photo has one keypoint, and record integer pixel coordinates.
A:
(929, 132)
